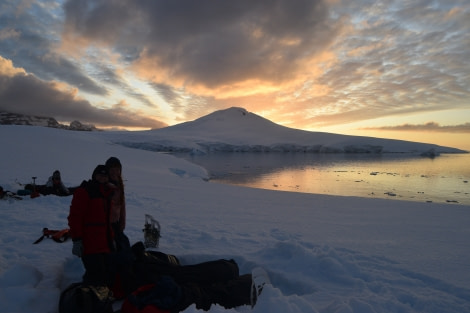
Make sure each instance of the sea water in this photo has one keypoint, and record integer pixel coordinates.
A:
(443, 179)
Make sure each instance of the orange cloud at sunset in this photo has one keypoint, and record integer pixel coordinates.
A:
(314, 65)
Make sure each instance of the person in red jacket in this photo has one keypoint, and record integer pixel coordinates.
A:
(90, 227)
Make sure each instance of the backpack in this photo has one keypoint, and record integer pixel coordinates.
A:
(81, 298)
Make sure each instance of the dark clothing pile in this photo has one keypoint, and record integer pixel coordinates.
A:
(203, 284)
(153, 278)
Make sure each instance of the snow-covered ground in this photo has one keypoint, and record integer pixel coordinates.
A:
(323, 253)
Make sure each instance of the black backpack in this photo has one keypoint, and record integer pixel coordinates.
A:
(81, 298)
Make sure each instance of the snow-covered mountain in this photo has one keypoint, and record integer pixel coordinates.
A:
(7, 118)
(237, 130)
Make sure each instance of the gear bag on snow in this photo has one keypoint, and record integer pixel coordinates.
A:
(81, 298)
(56, 235)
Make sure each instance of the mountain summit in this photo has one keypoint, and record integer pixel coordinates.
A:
(234, 117)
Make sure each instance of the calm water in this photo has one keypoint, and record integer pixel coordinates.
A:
(415, 178)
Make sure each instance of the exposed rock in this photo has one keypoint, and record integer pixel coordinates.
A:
(7, 118)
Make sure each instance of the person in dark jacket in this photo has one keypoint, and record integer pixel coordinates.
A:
(90, 227)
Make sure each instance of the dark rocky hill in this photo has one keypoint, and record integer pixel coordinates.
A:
(7, 118)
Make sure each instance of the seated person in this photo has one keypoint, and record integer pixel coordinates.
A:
(55, 186)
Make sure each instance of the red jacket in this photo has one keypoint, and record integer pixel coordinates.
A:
(89, 218)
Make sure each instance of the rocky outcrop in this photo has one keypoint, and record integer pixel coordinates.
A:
(7, 118)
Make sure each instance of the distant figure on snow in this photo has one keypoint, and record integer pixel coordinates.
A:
(5, 195)
(55, 186)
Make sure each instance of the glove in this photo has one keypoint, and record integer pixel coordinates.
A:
(77, 248)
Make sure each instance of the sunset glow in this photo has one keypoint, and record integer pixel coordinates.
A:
(389, 69)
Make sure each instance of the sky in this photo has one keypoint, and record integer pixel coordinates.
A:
(323, 253)
(391, 69)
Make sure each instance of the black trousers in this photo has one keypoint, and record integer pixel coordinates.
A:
(102, 269)
(99, 269)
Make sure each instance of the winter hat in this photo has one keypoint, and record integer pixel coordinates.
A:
(100, 169)
(56, 174)
(113, 162)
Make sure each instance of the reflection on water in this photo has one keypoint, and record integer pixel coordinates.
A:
(442, 179)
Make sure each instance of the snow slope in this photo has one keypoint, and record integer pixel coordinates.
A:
(236, 129)
(323, 253)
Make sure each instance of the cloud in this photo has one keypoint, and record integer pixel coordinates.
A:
(361, 59)
(32, 44)
(112, 76)
(409, 58)
(7, 33)
(24, 93)
(302, 63)
(206, 44)
(428, 127)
